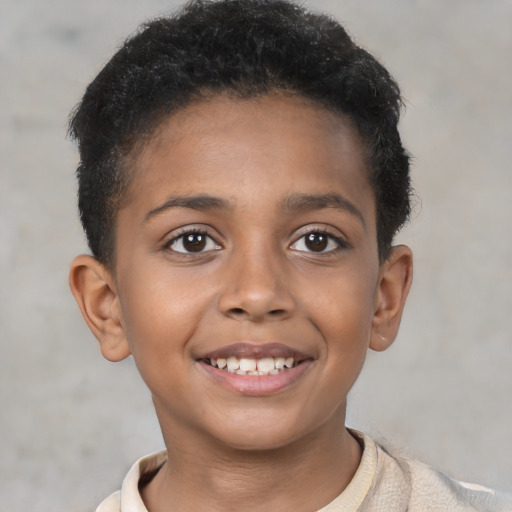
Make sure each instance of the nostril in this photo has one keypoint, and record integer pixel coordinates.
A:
(241, 312)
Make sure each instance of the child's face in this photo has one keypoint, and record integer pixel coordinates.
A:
(249, 232)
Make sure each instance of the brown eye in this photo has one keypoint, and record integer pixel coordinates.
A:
(193, 242)
(319, 242)
(316, 242)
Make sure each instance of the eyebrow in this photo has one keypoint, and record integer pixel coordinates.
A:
(201, 203)
(293, 203)
(308, 202)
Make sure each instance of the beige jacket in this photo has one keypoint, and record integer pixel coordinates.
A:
(382, 483)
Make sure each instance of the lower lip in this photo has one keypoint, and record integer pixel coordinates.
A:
(257, 385)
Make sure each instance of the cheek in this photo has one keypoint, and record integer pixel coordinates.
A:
(344, 301)
(343, 312)
(161, 311)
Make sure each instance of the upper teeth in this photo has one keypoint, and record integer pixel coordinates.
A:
(248, 366)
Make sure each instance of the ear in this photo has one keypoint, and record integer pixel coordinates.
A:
(393, 288)
(93, 287)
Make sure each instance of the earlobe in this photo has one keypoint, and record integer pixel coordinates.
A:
(93, 287)
(393, 288)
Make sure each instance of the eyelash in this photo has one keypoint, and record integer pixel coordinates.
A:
(340, 243)
(190, 231)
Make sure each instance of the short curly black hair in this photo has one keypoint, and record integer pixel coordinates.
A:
(244, 48)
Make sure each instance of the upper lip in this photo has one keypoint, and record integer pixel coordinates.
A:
(255, 351)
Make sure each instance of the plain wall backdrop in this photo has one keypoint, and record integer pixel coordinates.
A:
(71, 423)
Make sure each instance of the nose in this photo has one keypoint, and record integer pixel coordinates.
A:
(256, 288)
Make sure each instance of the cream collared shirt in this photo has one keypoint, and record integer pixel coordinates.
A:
(382, 483)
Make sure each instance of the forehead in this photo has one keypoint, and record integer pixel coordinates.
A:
(250, 150)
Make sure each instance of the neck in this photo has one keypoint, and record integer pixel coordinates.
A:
(302, 476)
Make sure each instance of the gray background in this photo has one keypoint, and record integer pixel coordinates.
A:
(71, 423)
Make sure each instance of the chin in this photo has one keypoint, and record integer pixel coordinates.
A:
(258, 443)
(260, 437)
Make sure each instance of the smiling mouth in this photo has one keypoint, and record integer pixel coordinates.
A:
(251, 366)
(256, 369)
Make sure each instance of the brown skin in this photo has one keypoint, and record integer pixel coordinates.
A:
(255, 280)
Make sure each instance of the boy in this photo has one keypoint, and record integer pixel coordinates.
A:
(240, 184)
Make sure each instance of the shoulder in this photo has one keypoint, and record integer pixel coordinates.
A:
(111, 504)
(426, 488)
(141, 473)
